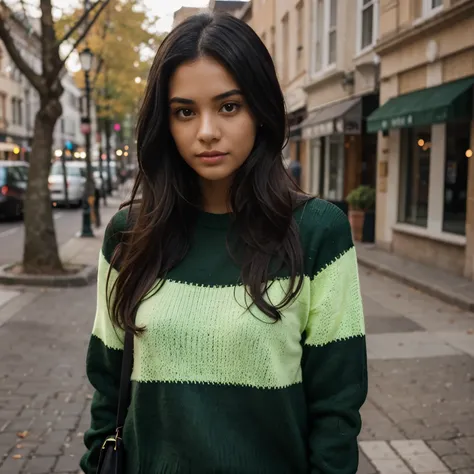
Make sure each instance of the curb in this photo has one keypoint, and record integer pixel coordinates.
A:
(430, 289)
(86, 276)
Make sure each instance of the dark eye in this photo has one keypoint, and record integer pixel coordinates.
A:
(184, 113)
(231, 107)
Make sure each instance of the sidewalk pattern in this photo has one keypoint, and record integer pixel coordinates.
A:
(419, 416)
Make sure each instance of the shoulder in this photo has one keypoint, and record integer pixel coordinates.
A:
(114, 232)
(325, 233)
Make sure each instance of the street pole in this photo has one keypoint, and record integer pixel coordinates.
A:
(101, 174)
(107, 133)
(89, 188)
(66, 193)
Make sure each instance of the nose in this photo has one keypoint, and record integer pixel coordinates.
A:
(209, 129)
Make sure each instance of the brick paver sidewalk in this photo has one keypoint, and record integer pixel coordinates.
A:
(419, 417)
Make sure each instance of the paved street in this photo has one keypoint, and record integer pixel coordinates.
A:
(419, 417)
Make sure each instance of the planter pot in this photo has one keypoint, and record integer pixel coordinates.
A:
(368, 232)
(356, 219)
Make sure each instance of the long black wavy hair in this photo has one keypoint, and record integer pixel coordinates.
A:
(262, 195)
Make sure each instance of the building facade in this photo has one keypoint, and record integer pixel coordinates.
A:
(425, 189)
(184, 12)
(67, 133)
(341, 84)
(233, 7)
(19, 101)
(291, 60)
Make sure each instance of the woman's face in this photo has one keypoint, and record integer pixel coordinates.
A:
(210, 121)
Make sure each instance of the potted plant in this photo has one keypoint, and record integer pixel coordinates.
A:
(361, 200)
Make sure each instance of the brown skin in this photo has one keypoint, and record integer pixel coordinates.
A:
(208, 114)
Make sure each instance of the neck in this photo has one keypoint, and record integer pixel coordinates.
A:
(215, 196)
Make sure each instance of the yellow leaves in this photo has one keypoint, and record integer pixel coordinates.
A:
(119, 38)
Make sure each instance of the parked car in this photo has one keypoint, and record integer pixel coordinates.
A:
(13, 184)
(76, 181)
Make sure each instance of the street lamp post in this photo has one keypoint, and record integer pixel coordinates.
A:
(86, 57)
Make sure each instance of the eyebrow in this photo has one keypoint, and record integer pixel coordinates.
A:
(225, 95)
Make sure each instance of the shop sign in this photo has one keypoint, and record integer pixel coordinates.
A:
(348, 127)
(319, 130)
(398, 122)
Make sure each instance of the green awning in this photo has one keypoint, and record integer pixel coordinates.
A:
(439, 104)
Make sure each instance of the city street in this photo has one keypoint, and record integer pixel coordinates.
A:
(419, 417)
(67, 222)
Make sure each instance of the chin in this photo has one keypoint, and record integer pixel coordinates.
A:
(214, 174)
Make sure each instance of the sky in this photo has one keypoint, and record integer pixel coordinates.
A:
(162, 8)
(165, 9)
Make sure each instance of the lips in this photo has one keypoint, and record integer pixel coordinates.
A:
(212, 157)
(211, 154)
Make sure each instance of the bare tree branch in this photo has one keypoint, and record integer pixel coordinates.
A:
(84, 33)
(79, 22)
(23, 9)
(48, 39)
(100, 62)
(35, 79)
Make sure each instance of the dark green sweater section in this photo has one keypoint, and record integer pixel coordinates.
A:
(220, 389)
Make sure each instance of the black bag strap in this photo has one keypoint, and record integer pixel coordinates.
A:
(126, 373)
(127, 366)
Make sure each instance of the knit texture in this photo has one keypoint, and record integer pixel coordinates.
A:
(219, 388)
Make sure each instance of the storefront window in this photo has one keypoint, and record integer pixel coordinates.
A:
(415, 175)
(316, 165)
(458, 152)
(335, 168)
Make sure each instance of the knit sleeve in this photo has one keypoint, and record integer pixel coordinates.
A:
(104, 356)
(334, 353)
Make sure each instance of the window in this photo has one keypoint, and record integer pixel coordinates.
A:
(28, 109)
(324, 34)
(458, 152)
(13, 111)
(2, 107)
(20, 112)
(415, 175)
(332, 32)
(272, 46)
(425, 8)
(335, 168)
(318, 35)
(299, 36)
(367, 23)
(17, 175)
(286, 40)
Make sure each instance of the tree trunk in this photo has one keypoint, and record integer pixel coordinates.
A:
(41, 254)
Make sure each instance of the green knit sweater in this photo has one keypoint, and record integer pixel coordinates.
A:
(219, 389)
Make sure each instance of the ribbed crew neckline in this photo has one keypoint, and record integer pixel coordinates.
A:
(213, 221)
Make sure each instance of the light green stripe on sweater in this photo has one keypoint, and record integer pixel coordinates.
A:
(204, 334)
(336, 303)
(103, 329)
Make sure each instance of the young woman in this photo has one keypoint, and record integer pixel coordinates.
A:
(242, 293)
